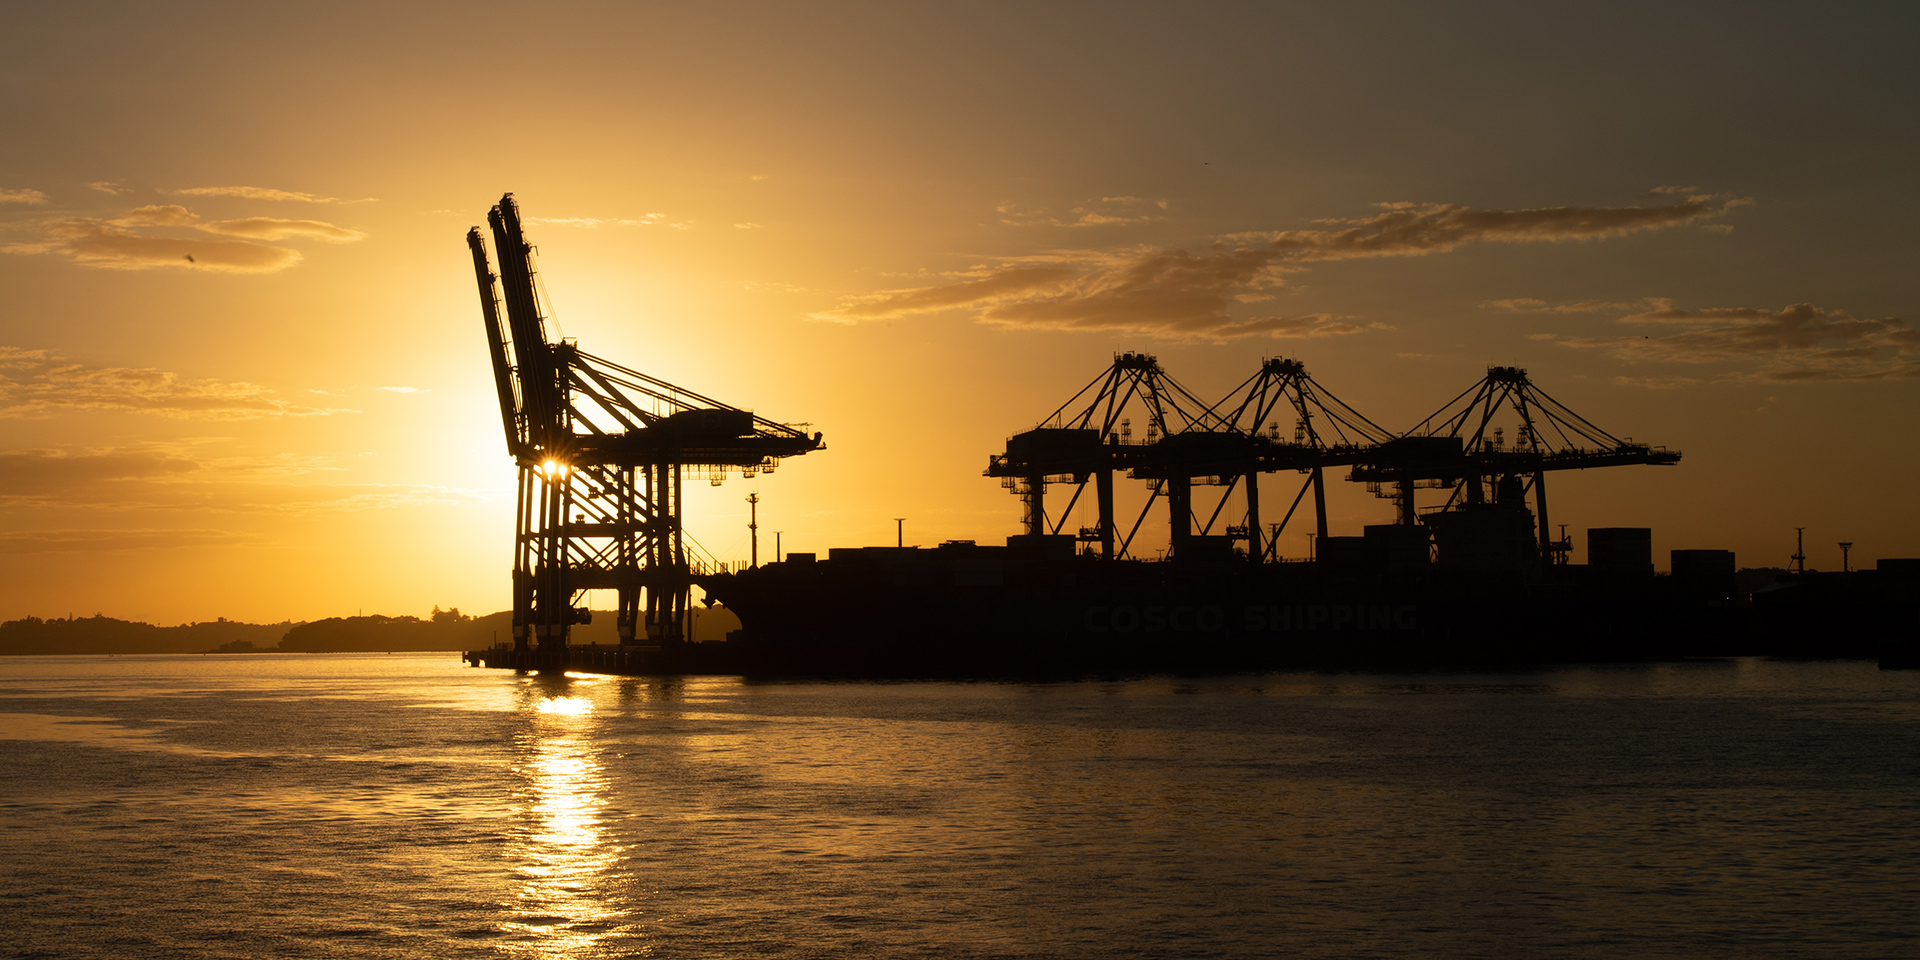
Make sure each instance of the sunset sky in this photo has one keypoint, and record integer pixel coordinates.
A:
(241, 364)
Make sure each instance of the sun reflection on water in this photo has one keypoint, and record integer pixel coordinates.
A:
(563, 862)
(571, 706)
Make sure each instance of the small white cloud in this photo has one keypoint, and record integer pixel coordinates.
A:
(1104, 212)
(256, 193)
(749, 225)
(772, 286)
(158, 215)
(272, 228)
(589, 223)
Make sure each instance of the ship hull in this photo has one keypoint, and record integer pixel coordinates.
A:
(1079, 616)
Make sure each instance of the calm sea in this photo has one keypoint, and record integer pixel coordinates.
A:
(407, 806)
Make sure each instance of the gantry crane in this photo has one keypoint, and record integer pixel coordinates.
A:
(602, 451)
(1326, 433)
(1089, 438)
(1453, 449)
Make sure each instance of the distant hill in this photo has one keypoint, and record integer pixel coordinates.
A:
(443, 630)
(98, 635)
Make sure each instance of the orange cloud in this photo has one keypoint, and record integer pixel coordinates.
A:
(35, 383)
(92, 540)
(181, 479)
(158, 215)
(39, 472)
(256, 193)
(103, 243)
(139, 240)
(33, 197)
(270, 228)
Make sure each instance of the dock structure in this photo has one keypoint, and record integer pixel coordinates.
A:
(603, 451)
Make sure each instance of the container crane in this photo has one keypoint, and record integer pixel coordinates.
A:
(1326, 433)
(1090, 437)
(1453, 449)
(602, 451)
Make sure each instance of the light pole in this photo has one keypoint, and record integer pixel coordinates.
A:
(753, 528)
(899, 531)
(1845, 547)
(776, 546)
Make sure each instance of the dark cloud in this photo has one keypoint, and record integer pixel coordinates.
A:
(1801, 342)
(1410, 229)
(1006, 282)
(1177, 294)
(35, 383)
(1162, 293)
(1536, 305)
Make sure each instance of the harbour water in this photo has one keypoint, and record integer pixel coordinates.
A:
(406, 806)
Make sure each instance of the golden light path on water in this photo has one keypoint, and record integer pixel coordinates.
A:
(563, 859)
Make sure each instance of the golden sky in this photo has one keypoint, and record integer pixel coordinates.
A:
(241, 363)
